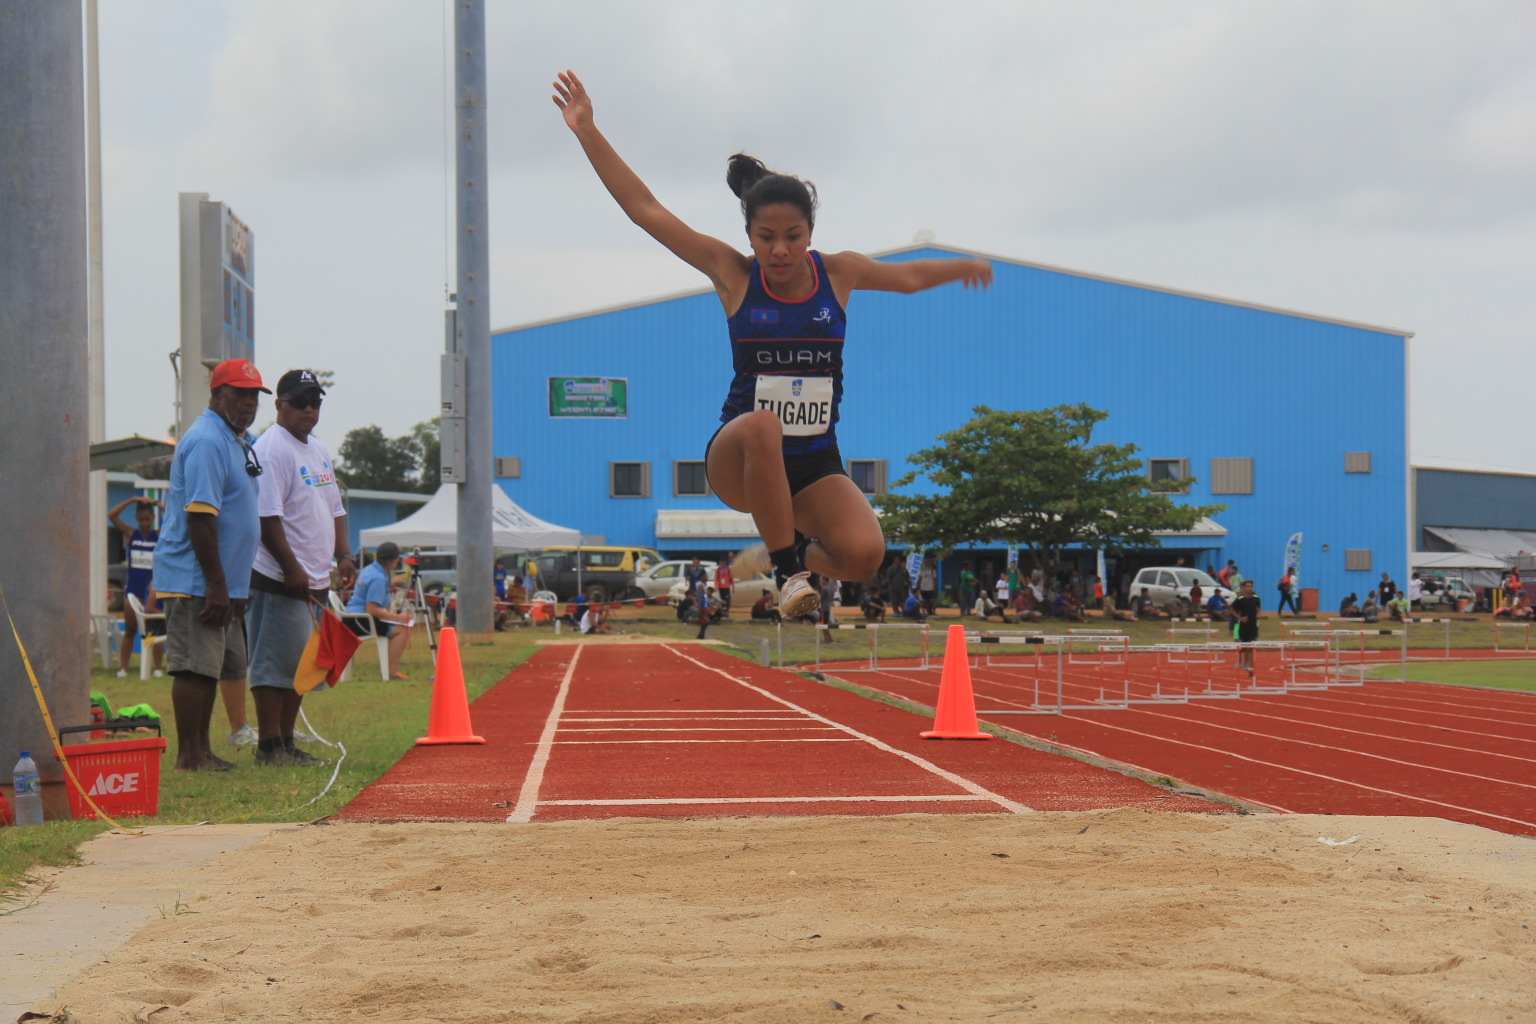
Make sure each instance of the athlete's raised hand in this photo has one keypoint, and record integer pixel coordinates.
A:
(977, 273)
(572, 99)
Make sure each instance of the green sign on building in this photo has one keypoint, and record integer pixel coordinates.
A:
(607, 397)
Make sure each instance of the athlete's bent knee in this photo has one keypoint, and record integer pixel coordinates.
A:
(862, 559)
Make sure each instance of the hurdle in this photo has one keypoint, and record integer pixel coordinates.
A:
(1112, 636)
(1498, 635)
(874, 629)
(1059, 641)
(1333, 635)
(1190, 655)
(992, 660)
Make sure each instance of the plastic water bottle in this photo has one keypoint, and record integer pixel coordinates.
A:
(29, 791)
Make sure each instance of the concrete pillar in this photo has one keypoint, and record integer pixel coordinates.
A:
(44, 459)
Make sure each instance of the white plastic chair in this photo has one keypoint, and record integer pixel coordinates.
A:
(147, 643)
(370, 632)
(105, 632)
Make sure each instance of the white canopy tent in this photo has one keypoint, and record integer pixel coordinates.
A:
(436, 524)
(1477, 570)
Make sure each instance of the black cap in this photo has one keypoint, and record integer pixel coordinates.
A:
(296, 381)
(387, 551)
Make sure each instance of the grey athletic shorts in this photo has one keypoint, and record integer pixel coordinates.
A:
(192, 646)
(277, 627)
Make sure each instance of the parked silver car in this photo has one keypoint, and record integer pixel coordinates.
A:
(1169, 586)
(666, 580)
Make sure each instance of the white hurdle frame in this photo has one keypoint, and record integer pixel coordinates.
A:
(874, 629)
(1421, 620)
(1524, 627)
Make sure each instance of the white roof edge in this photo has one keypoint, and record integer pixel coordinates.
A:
(1435, 462)
(1087, 275)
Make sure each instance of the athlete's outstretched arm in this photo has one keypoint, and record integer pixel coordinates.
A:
(703, 252)
(855, 271)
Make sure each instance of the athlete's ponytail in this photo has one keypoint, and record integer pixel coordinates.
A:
(755, 185)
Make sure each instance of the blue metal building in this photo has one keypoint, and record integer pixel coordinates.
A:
(1296, 422)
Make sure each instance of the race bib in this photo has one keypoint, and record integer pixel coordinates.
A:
(141, 558)
(802, 404)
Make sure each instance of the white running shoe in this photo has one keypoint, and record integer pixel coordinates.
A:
(122, 673)
(751, 562)
(244, 736)
(797, 597)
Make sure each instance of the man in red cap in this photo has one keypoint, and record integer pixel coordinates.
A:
(203, 562)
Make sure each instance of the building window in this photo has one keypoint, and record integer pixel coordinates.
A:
(689, 479)
(1231, 476)
(1357, 462)
(868, 475)
(1357, 559)
(1168, 476)
(629, 479)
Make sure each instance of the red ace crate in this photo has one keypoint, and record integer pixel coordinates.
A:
(122, 776)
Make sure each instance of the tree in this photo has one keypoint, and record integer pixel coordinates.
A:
(370, 461)
(427, 442)
(1035, 480)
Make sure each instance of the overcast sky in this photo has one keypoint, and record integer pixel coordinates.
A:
(1370, 161)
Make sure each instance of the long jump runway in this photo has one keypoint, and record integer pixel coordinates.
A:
(1387, 748)
(673, 730)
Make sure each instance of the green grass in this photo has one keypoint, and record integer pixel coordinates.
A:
(1505, 675)
(376, 721)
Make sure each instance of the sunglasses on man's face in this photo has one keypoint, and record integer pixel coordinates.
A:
(303, 402)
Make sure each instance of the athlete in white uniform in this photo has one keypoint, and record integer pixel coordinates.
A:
(746, 460)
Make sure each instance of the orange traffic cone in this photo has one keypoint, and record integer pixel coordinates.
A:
(448, 721)
(955, 716)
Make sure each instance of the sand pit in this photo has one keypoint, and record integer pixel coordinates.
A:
(1095, 916)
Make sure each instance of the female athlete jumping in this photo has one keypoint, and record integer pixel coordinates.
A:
(775, 455)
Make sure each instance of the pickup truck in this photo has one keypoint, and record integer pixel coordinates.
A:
(557, 572)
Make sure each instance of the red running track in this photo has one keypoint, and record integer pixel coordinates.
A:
(627, 730)
(1387, 748)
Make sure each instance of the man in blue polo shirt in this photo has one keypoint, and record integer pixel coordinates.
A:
(371, 595)
(203, 561)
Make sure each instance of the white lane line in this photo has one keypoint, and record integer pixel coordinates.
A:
(528, 796)
(664, 801)
(1012, 806)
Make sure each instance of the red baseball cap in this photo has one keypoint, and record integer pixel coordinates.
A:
(237, 373)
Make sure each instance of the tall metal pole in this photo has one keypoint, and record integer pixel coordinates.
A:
(475, 587)
(98, 367)
(44, 461)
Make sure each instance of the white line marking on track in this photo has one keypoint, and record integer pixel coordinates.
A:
(662, 802)
(1012, 806)
(528, 796)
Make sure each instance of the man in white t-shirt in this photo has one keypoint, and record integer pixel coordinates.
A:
(303, 526)
(1415, 592)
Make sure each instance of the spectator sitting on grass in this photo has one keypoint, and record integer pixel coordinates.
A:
(913, 609)
(685, 608)
(1349, 606)
(1370, 611)
(1399, 606)
(1026, 606)
(763, 609)
(874, 606)
(985, 607)
(1066, 605)
(1515, 606)
(1216, 607)
(1145, 609)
